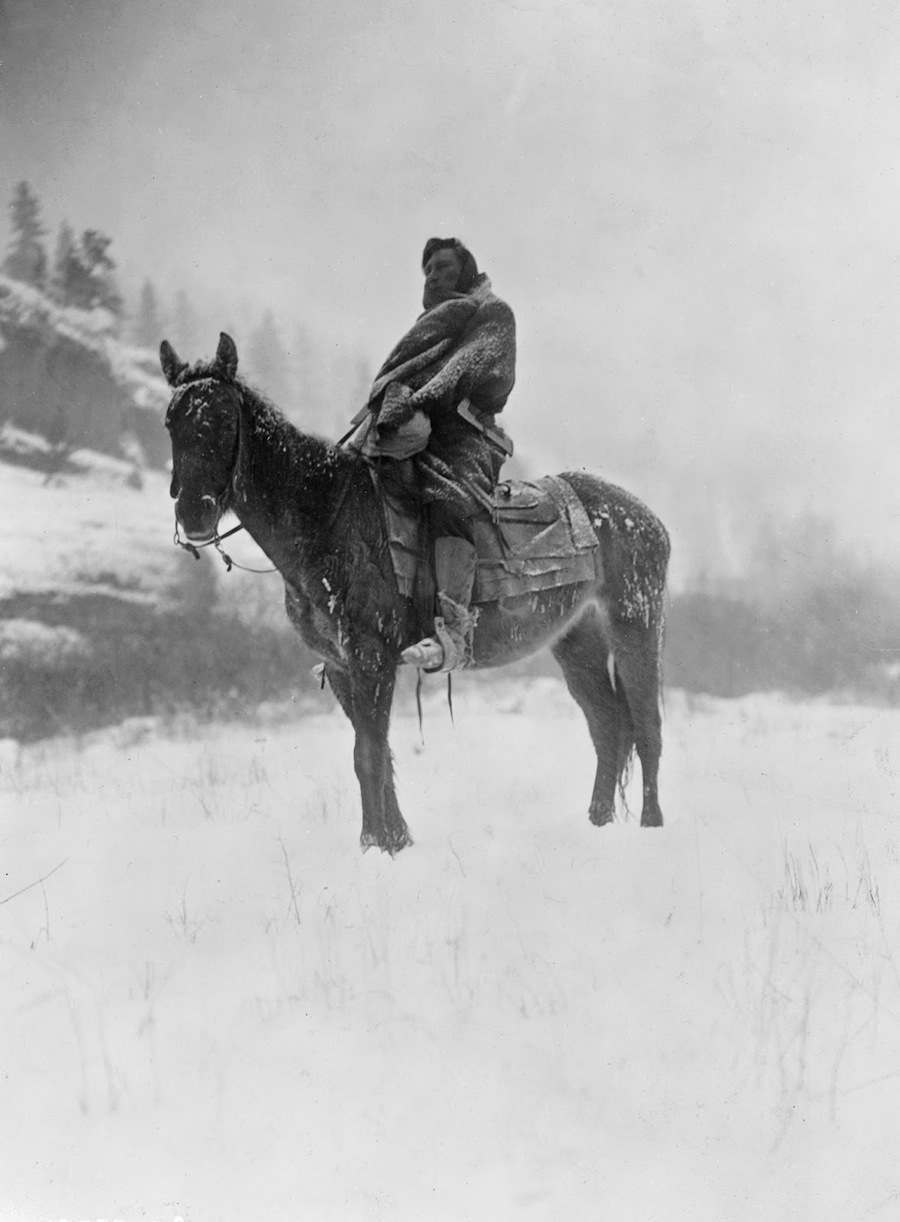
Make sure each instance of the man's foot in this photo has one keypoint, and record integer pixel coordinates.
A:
(451, 646)
(427, 654)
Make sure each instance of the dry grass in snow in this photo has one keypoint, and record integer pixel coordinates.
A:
(216, 1007)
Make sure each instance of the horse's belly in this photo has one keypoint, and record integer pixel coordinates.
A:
(514, 628)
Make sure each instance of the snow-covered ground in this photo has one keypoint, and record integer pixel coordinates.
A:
(215, 1007)
(64, 535)
(91, 530)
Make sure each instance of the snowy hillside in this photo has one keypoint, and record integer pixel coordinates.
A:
(23, 307)
(66, 374)
(101, 617)
(60, 535)
(216, 1008)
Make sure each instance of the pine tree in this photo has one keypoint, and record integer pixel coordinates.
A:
(147, 330)
(26, 259)
(184, 326)
(267, 363)
(100, 269)
(349, 384)
(87, 274)
(62, 264)
(307, 382)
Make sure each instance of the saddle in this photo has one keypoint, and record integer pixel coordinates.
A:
(536, 536)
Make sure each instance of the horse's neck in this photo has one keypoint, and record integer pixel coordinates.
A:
(285, 480)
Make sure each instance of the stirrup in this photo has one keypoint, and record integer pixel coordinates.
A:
(447, 650)
(427, 654)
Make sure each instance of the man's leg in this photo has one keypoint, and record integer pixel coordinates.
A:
(458, 473)
(454, 561)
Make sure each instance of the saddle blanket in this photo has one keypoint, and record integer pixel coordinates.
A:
(537, 537)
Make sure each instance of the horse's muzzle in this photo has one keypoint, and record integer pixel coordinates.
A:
(198, 520)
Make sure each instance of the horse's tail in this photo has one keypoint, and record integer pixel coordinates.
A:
(625, 739)
(653, 601)
(660, 651)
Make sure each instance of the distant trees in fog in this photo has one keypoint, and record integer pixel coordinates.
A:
(319, 387)
(185, 329)
(265, 361)
(146, 330)
(87, 276)
(82, 273)
(26, 259)
(62, 256)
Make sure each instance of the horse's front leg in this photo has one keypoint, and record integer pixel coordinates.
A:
(366, 698)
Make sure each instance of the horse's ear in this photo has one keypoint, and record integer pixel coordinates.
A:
(171, 365)
(226, 356)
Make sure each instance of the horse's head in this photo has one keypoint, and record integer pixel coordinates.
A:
(203, 420)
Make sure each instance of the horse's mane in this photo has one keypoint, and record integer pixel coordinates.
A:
(198, 371)
(262, 407)
(268, 417)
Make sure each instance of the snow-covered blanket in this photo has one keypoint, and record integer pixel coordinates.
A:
(463, 348)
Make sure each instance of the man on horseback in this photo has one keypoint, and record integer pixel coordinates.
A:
(434, 401)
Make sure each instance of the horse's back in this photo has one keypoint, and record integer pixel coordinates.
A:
(634, 545)
(537, 536)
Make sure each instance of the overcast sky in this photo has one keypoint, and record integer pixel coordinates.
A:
(691, 207)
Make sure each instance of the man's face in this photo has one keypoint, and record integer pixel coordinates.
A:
(442, 273)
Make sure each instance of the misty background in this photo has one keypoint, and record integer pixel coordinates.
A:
(218, 1007)
(691, 210)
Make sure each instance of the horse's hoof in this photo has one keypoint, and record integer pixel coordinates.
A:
(399, 842)
(391, 843)
(653, 819)
(600, 818)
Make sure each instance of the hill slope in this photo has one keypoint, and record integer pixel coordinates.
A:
(64, 374)
(101, 617)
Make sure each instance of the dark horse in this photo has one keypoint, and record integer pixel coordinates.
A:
(313, 509)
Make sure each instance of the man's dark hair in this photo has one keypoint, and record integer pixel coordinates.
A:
(469, 273)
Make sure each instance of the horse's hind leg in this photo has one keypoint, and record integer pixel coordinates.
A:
(638, 667)
(582, 653)
(366, 699)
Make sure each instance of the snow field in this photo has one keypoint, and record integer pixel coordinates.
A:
(217, 1007)
(62, 536)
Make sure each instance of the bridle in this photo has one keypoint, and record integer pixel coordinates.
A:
(217, 539)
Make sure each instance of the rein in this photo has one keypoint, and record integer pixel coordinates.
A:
(216, 540)
(357, 459)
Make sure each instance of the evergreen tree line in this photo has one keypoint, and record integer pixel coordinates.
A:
(289, 367)
(81, 272)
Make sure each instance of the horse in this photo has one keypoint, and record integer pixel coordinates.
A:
(314, 510)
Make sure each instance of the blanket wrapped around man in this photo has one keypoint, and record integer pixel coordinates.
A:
(462, 348)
